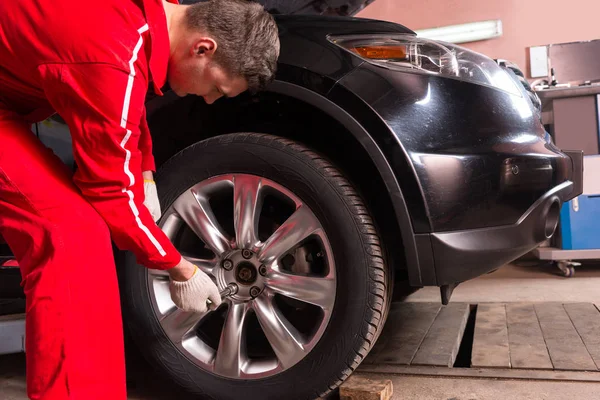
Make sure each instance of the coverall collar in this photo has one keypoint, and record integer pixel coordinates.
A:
(159, 58)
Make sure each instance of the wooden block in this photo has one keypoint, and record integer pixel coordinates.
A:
(490, 342)
(441, 344)
(359, 387)
(405, 329)
(565, 346)
(525, 339)
(586, 319)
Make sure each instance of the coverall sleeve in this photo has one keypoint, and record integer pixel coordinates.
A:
(145, 145)
(103, 106)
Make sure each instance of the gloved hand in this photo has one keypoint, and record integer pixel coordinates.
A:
(191, 295)
(151, 199)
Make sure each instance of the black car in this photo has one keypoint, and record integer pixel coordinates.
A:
(375, 157)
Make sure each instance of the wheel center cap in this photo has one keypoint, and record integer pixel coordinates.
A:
(243, 268)
(245, 273)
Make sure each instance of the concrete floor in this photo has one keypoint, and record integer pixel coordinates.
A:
(524, 282)
(440, 388)
(511, 283)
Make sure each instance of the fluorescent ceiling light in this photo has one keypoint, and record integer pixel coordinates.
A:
(463, 33)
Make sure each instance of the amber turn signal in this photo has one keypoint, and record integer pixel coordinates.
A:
(381, 52)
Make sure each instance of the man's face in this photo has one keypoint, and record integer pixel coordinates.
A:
(192, 70)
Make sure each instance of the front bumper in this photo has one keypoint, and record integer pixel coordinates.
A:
(462, 255)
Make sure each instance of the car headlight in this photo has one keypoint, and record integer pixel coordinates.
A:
(404, 52)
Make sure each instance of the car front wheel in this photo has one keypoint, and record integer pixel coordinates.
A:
(285, 227)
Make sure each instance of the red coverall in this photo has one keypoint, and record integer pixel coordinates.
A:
(92, 63)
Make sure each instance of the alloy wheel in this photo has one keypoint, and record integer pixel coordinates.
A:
(253, 232)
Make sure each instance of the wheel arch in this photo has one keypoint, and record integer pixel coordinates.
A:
(298, 113)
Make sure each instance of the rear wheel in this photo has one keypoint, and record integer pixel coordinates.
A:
(286, 227)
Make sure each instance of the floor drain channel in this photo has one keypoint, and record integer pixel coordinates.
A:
(463, 359)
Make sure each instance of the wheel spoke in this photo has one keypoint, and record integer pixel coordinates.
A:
(229, 359)
(246, 207)
(313, 290)
(162, 295)
(171, 221)
(178, 323)
(204, 265)
(299, 226)
(198, 215)
(286, 341)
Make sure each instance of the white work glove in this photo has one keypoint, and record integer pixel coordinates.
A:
(191, 295)
(151, 199)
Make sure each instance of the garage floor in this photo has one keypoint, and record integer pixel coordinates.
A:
(524, 282)
(448, 358)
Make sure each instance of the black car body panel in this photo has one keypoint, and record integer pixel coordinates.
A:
(464, 157)
(456, 133)
(462, 255)
(471, 173)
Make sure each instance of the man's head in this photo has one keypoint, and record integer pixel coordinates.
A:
(223, 48)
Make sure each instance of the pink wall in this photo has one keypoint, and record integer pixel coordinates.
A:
(525, 23)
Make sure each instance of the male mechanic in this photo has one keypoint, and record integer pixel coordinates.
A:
(92, 63)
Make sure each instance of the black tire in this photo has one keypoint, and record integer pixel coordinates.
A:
(363, 280)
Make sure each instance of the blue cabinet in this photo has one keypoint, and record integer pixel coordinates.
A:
(580, 223)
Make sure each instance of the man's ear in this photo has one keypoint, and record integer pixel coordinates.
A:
(204, 47)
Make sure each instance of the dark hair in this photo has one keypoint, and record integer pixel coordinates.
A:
(246, 34)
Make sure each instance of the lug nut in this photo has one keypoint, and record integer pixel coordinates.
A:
(246, 254)
(254, 291)
(227, 265)
(262, 270)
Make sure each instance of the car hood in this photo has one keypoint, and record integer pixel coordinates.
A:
(343, 8)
